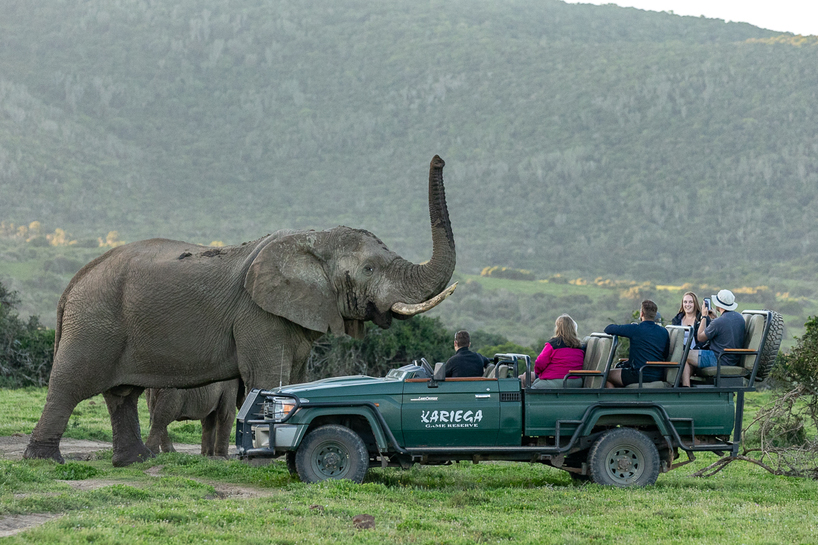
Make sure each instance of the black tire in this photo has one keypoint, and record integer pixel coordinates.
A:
(332, 452)
(624, 457)
(290, 459)
(768, 356)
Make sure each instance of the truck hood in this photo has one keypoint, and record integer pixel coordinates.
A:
(342, 387)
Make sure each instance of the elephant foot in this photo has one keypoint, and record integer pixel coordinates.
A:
(139, 453)
(43, 451)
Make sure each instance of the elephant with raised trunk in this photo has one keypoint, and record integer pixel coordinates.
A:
(167, 314)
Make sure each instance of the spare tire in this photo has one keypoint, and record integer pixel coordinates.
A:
(769, 354)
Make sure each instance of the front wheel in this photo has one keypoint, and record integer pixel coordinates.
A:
(290, 459)
(624, 457)
(332, 452)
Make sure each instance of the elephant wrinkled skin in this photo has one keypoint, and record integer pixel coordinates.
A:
(168, 314)
(215, 405)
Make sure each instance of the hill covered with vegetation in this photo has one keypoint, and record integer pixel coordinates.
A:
(595, 139)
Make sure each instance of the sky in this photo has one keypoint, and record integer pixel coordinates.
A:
(796, 16)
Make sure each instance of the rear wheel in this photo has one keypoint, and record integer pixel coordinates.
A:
(624, 457)
(332, 452)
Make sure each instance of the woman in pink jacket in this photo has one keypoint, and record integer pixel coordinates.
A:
(562, 353)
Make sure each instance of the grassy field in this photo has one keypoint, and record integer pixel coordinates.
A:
(178, 498)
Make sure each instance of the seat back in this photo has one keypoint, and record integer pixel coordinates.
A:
(501, 371)
(754, 324)
(599, 352)
(677, 350)
(440, 370)
(489, 370)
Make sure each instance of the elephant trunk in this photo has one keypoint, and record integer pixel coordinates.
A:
(423, 282)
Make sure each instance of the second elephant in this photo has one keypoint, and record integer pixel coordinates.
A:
(215, 405)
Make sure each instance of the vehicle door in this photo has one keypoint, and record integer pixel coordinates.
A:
(458, 412)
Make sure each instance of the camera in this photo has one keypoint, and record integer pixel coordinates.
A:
(707, 303)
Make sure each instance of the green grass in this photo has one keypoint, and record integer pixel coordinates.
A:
(461, 503)
(20, 410)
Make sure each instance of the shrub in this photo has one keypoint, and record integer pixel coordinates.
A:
(26, 348)
(381, 349)
(800, 366)
(508, 273)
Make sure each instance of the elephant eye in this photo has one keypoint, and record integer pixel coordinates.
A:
(368, 269)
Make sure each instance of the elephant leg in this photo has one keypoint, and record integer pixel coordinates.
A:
(158, 439)
(209, 434)
(166, 443)
(122, 407)
(45, 439)
(226, 417)
(164, 406)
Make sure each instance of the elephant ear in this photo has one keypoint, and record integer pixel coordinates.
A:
(287, 279)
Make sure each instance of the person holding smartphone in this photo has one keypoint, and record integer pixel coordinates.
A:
(690, 314)
(726, 331)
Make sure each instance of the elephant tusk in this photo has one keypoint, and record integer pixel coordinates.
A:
(411, 310)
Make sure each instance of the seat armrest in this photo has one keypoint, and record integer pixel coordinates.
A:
(662, 363)
(741, 350)
(584, 372)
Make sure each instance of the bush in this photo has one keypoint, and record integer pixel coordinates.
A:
(800, 366)
(381, 349)
(506, 272)
(26, 348)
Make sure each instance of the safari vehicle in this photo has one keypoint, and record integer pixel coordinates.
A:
(337, 428)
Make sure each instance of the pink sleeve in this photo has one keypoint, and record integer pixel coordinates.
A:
(543, 359)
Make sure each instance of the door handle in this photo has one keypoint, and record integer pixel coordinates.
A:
(482, 396)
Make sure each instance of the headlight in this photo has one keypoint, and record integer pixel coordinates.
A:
(279, 408)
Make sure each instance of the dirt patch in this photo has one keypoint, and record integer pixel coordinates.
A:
(12, 448)
(14, 524)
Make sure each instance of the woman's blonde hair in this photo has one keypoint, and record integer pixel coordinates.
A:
(566, 329)
(696, 308)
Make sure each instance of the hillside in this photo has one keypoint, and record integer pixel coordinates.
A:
(585, 138)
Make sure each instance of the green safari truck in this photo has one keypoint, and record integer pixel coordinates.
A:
(338, 428)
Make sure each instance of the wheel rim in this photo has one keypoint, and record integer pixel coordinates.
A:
(625, 464)
(331, 460)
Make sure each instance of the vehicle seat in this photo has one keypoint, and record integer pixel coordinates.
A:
(440, 370)
(488, 372)
(599, 352)
(677, 354)
(501, 371)
(754, 324)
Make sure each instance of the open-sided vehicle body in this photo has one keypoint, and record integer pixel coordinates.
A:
(339, 427)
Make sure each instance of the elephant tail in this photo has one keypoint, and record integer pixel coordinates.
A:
(65, 294)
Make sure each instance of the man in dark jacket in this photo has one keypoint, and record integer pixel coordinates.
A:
(649, 342)
(465, 363)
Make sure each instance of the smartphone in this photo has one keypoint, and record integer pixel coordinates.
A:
(707, 303)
